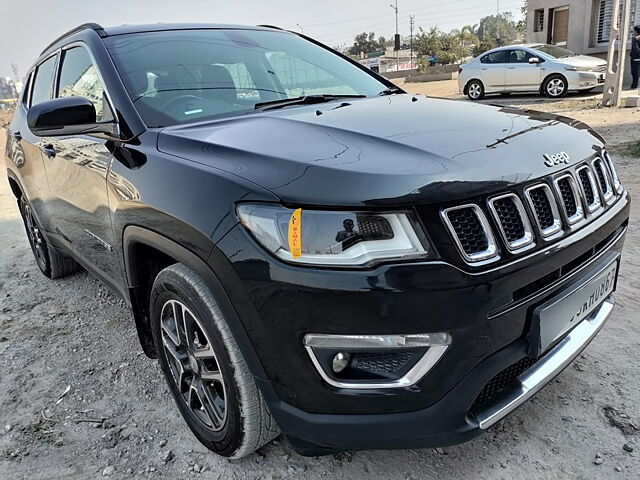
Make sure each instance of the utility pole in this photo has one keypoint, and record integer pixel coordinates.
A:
(396, 41)
(412, 19)
(615, 63)
(498, 22)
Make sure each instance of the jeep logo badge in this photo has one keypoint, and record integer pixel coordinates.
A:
(556, 159)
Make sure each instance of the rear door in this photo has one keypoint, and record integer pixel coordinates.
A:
(77, 170)
(520, 74)
(493, 66)
(26, 147)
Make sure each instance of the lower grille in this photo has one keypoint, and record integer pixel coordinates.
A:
(502, 381)
(381, 362)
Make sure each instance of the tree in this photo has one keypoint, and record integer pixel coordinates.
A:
(365, 43)
(522, 24)
(445, 47)
(494, 31)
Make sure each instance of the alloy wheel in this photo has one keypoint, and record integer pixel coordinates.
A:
(195, 369)
(475, 90)
(34, 234)
(555, 87)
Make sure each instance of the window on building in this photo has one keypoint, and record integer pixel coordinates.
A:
(538, 20)
(604, 14)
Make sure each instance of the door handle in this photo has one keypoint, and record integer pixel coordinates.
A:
(485, 68)
(48, 150)
(17, 136)
(511, 68)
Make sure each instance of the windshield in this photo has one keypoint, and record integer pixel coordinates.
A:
(553, 51)
(183, 76)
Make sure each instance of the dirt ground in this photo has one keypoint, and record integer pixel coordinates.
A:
(117, 419)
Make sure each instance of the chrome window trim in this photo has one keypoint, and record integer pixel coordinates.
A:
(597, 202)
(608, 196)
(491, 253)
(554, 230)
(429, 359)
(577, 217)
(522, 243)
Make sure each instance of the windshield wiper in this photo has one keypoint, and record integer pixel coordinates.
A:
(391, 91)
(304, 100)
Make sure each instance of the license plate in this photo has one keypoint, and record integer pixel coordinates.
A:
(563, 312)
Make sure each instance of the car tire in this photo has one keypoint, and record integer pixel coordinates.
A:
(52, 263)
(555, 86)
(475, 90)
(204, 368)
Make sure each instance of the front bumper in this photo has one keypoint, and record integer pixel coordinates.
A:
(278, 304)
(584, 80)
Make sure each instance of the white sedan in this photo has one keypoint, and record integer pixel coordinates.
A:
(547, 69)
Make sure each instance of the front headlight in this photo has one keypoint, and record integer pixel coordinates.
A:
(341, 238)
(580, 69)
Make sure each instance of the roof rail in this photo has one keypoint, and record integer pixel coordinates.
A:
(85, 26)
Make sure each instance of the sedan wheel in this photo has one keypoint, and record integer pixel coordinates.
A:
(555, 87)
(475, 90)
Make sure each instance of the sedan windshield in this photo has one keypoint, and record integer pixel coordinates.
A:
(553, 51)
(183, 76)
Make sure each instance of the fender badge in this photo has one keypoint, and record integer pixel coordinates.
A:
(556, 159)
(295, 233)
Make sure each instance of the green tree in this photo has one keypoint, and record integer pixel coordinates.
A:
(365, 43)
(494, 31)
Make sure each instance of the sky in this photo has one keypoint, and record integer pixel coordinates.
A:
(27, 26)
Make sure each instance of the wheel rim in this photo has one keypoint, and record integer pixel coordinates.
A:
(555, 87)
(194, 366)
(34, 234)
(474, 90)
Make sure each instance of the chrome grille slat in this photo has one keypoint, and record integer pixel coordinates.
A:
(471, 232)
(545, 209)
(604, 182)
(589, 188)
(570, 199)
(512, 221)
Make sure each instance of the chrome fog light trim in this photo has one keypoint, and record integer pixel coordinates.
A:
(437, 344)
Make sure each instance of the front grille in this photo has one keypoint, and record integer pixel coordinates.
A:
(540, 199)
(586, 187)
(589, 188)
(471, 232)
(603, 180)
(502, 381)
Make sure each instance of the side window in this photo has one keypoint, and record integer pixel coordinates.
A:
(519, 56)
(495, 57)
(43, 82)
(299, 77)
(25, 90)
(79, 78)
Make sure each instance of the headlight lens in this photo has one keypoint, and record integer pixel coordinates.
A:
(317, 237)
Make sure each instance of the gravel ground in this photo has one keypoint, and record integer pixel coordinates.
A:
(79, 399)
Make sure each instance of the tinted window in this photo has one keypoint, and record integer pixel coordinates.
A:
(495, 57)
(519, 56)
(79, 78)
(43, 83)
(184, 76)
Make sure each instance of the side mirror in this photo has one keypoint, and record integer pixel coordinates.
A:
(535, 60)
(66, 116)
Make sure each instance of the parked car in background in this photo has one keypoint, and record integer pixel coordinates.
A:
(547, 69)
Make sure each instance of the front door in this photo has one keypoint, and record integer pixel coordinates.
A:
(560, 26)
(520, 74)
(77, 169)
(493, 66)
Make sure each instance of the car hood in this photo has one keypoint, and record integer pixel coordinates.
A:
(394, 150)
(582, 61)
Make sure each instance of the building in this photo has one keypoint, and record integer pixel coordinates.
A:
(579, 25)
(7, 89)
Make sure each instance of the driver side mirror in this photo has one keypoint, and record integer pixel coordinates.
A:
(535, 60)
(67, 116)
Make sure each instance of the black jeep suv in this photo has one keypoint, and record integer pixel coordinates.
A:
(307, 248)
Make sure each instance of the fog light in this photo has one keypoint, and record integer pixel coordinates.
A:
(340, 362)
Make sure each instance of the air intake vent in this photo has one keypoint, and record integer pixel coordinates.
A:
(603, 180)
(589, 188)
(543, 204)
(571, 203)
(471, 232)
(512, 220)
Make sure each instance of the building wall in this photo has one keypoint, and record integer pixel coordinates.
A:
(580, 23)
